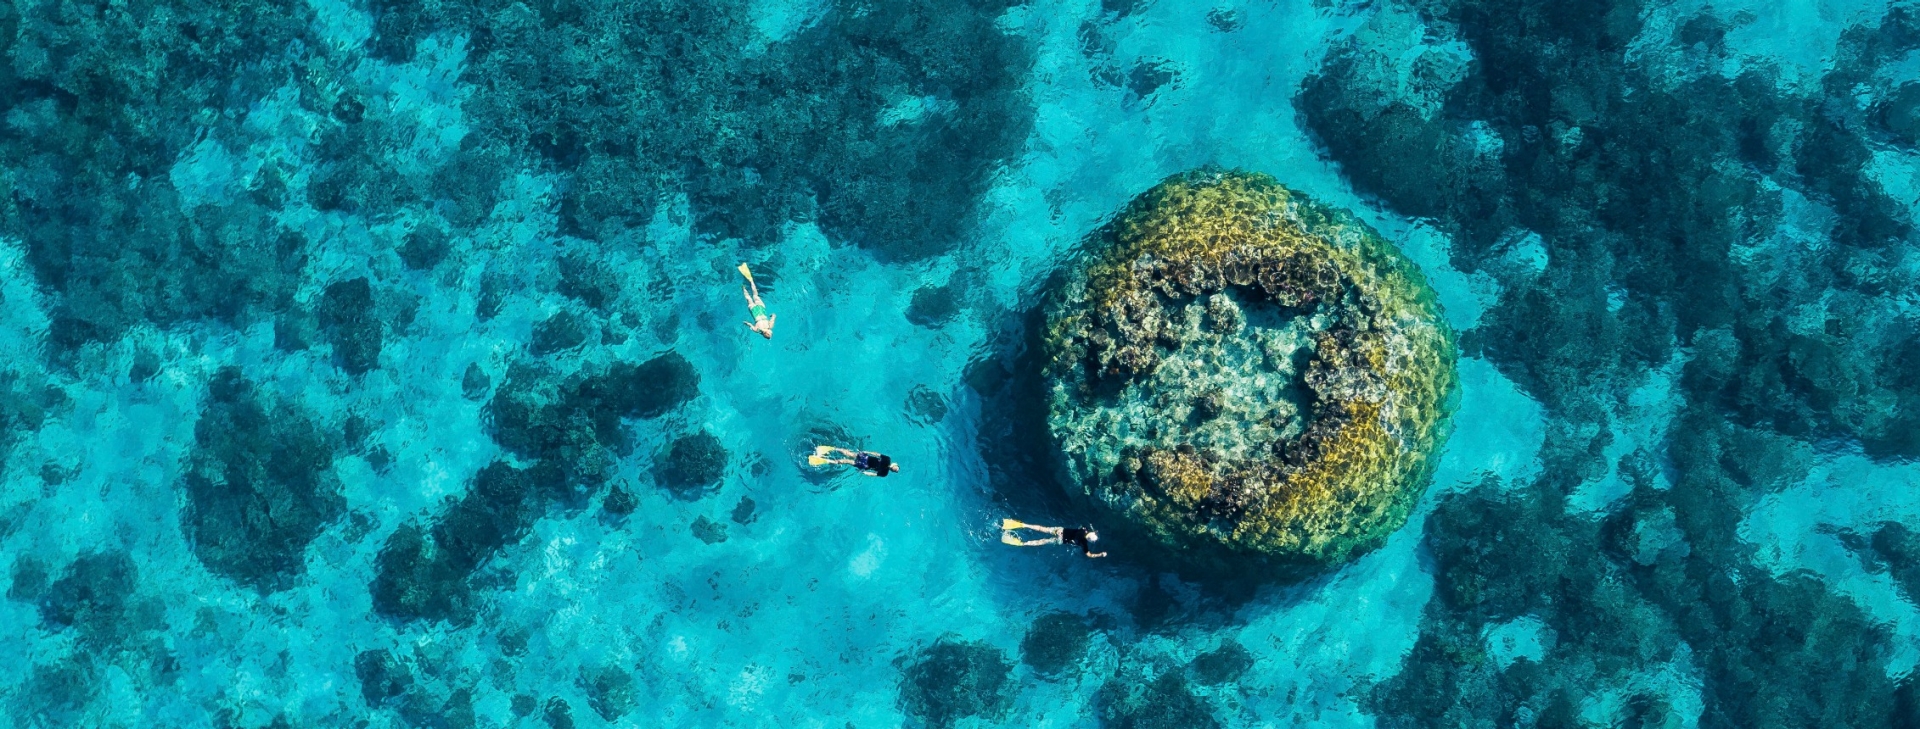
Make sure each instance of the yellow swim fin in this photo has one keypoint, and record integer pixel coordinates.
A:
(817, 460)
(1006, 538)
(1010, 524)
(746, 273)
(822, 450)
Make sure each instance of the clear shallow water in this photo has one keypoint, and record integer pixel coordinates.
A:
(851, 601)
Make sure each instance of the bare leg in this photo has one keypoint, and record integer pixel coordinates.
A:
(1007, 537)
(1055, 531)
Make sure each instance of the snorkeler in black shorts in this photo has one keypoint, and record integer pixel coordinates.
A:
(1072, 537)
(871, 464)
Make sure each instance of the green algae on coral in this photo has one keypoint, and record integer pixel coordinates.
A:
(1240, 368)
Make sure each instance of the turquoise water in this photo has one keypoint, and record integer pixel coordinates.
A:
(358, 361)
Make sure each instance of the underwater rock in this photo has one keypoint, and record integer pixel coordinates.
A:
(589, 281)
(351, 325)
(558, 714)
(557, 333)
(23, 408)
(93, 130)
(610, 692)
(743, 512)
(95, 596)
(925, 405)
(1165, 703)
(523, 705)
(1055, 643)
(620, 501)
(475, 383)
(29, 579)
(952, 680)
(425, 247)
(709, 531)
(692, 465)
(933, 306)
(1222, 665)
(381, 677)
(1243, 371)
(576, 422)
(422, 573)
(260, 484)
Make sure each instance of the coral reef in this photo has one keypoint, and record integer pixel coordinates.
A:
(1055, 643)
(953, 680)
(896, 168)
(575, 423)
(610, 692)
(1643, 190)
(1166, 702)
(1637, 211)
(381, 677)
(259, 484)
(351, 324)
(96, 598)
(692, 465)
(422, 573)
(1239, 367)
(1222, 665)
(571, 430)
(95, 127)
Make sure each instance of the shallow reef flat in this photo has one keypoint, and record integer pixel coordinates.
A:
(1238, 369)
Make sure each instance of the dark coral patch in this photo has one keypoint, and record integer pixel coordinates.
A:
(933, 306)
(352, 324)
(259, 482)
(1055, 643)
(897, 168)
(558, 333)
(589, 280)
(382, 678)
(1223, 664)
(1898, 548)
(692, 465)
(96, 597)
(23, 408)
(94, 130)
(610, 692)
(425, 247)
(1640, 192)
(1631, 212)
(953, 680)
(576, 422)
(1166, 702)
(424, 573)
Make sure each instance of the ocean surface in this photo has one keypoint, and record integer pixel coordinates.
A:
(381, 364)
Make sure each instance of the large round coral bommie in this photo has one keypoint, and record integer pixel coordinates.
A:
(1239, 370)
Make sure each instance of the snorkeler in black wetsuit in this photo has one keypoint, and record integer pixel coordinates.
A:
(871, 464)
(1072, 537)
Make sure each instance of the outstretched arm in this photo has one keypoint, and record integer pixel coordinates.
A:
(1096, 555)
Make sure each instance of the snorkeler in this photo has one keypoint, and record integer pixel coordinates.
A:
(1082, 538)
(762, 321)
(871, 464)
